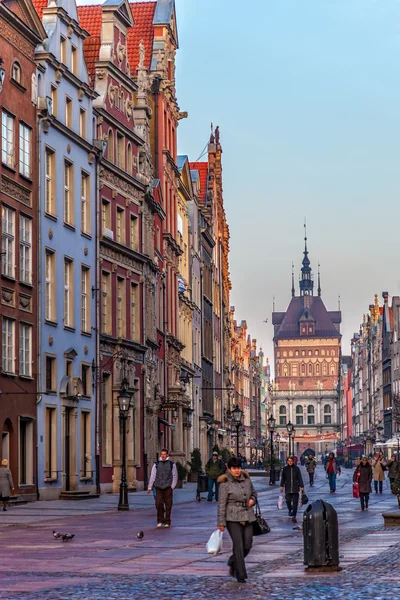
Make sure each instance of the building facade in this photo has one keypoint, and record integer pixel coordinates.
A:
(307, 344)
(20, 32)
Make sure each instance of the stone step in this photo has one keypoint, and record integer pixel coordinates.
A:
(77, 495)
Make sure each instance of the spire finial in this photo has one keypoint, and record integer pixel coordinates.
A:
(293, 290)
(319, 280)
(339, 302)
(306, 281)
(273, 304)
(305, 233)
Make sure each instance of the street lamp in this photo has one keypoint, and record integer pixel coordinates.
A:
(278, 439)
(290, 430)
(271, 426)
(124, 404)
(237, 414)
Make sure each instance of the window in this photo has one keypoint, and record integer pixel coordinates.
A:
(50, 451)
(299, 415)
(85, 202)
(25, 451)
(120, 151)
(105, 215)
(85, 377)
(121, 313)
(85, 445)
(50, 288)
(85, 302)
(8, 241)
(54, 99)
(133, 313)
(316, 353)
(106, 302)
(50, 374)
(324, 368)
(285, 370)
(303, 369)
(317, 369)
(16, 73)
(7, 139)
(68, 112)
(63, 50)
(310, 369)
(322, 352)
(110, 146)
(8, 345)
(282, 415)
(25, 350)
(25, 249)
(332, 368)
(295, 369)
(50, 182)
(310, 415)
(120, 228)
(68, 293)
(180, 230)
(134, 233)
(327, 414)
(74, 60)
(25, 140)
(82, 123)
(129, 159)
(68, 193)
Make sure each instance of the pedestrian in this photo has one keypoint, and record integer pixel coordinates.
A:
(311, 465)
(363, 476)
(379, 466)
(332, 470)
(244, 462)
(164, 477)
(214, 468)
(235, 512)
(6, 483)
(292, 484)
(260, 464)
(393, 467)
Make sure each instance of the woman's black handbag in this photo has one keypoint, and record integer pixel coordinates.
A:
(260, 525)
(304, 498)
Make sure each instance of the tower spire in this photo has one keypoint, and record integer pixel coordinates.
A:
(319, 280)
(293, 290)
(306, 281)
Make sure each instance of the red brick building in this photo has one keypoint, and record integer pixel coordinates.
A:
(20, 32)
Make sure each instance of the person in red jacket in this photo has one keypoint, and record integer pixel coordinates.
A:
(363, 476)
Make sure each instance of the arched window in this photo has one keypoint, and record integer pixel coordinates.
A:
(303, 369)
(317, 369)
(309, 353)
(284, 353)
(285, 370)
(297, 353)
(327, 414)
(332, 368)
(332, 353)
(16, 73)
(310, 369)
(278, 354)
(317, 353)
(129, 159)
(322, 352)
(295, 370)
(310, 415)
(303, 352)
(110, 145)
(299, 415)
(324, 368)
(291, 353)
(282, 415)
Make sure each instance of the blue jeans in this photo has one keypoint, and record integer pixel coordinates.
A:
(332, 481)
(211, 483)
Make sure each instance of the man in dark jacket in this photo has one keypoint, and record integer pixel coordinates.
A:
(292, 483)
(164, 477)
(214, 468)
(393, 468)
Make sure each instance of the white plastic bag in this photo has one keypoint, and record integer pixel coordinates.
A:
(214, 544)
(281, 501)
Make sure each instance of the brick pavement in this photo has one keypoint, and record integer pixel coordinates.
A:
(105, 560)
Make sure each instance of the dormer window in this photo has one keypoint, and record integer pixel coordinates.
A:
(16, 72)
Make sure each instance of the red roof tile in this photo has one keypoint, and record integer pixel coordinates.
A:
(39, 6)
(143, 29)
(90, 18)
(202, 168)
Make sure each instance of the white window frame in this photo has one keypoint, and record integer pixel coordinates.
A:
(49, 302)
(68, 192)
(85, 202)
(25, 350)
(7, 139)
(8, 241)
(50, 171)
(8, 345)
(85, 301)
(25, 249)
(25, 150)
(68, 292)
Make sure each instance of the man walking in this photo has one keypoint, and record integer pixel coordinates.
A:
(393, 468)
(164, 477)
(311, 465)
(214, 468)
(292, 483)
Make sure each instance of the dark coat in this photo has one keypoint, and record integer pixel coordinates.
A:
(363, 475)
(291, 479)
(6, 482)
(233, 497)
(393, 468)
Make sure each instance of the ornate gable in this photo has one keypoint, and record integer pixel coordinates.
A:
(23, 12)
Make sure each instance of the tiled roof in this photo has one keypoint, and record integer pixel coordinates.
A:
(143, 29)
(289, 325)
(39, 6)
(202, 168)
(90, 18)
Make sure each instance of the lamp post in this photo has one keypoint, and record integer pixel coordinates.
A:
(271, 426)
(124, 404)
(237, 414)
(278, 439)
(290, 430)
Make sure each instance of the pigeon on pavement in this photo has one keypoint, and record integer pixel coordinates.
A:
(67, 536)
(56, 535)
(140, 535)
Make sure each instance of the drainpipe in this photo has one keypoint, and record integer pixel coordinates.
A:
(98, 383)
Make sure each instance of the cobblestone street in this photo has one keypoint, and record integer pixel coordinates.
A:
(105, 560)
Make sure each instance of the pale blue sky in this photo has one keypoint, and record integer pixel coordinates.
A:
(306, 94)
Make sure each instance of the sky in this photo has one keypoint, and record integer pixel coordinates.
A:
(307, 97)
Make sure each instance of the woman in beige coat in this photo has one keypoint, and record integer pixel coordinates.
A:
(6, 483)
(379, 476)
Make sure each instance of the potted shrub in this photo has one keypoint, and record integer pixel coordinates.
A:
(395, 488)
(182, 472)
(195, 464)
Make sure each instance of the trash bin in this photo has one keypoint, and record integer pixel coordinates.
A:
(321, 535)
